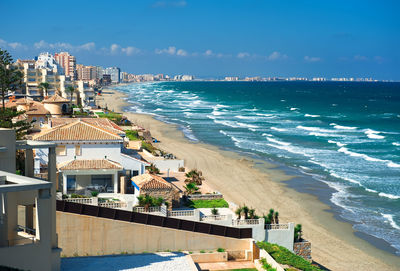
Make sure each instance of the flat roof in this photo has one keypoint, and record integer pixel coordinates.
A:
(33, 144)
(17, 183)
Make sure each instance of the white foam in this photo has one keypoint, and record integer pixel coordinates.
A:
(278, 142)
(391, 221)
(278, 129)
(314, 129)
(337, 143)
(311, 116)
(396, 144)
(216, 113)
(264, 115)
(290, 148)
(332, 173)
(293, 109)
(265, 134)
(246, 125)
(158, 109)
(370, 190)
(221, 106)
(246, 117)
(223, 132)
(392, 164)
(373, 134)
(368, 158)
(340, 127)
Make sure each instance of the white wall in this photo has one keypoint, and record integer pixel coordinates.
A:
(171, 164)
(132, 164)
(281, 237)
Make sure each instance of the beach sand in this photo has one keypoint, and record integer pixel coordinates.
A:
(261, 185)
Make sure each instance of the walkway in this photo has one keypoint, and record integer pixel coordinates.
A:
(226, 265)
(168, 261)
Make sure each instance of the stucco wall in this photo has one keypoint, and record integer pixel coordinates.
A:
(282, 237)
(86, 235)
(7, 139)
(164, 165)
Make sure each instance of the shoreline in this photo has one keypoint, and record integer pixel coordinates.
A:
(335, 244)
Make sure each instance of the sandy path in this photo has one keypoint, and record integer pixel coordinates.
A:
(333, 243)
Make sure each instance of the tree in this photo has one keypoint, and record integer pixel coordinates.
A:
(153, 169)
(252, 213)
(71, 91)
(238, 212)
(298, 232)
(44, 86)
(148, 201)
(276, 218)
(245, 211)
(7, 120)
(78, 98)
(10, 76)
(194, 176)
(191, 188)
(214, 211)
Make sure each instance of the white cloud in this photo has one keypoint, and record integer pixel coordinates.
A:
(312, 59)
(276, 56)
(208, 53)
(170, 51)
(129, 51)
(64, 46)
(13, 45)
(243, 55)
(181, 52)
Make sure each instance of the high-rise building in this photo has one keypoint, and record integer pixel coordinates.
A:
(86, 73)
(67, 62)
(114, 72)
(48, 62)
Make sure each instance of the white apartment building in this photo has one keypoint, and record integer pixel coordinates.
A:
(114, 72)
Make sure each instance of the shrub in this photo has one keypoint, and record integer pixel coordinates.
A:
(148, 147)
(75, 196)
(214, 211)
(132, 135)
(64, 196)
(208, 203)
(202, 251)
(221, 250)
(298, 232)
(266, 265)
(181, 169)
(95, 193)
(284, 256)
(153, 169)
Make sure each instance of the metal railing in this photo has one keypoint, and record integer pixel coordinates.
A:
(277, 226)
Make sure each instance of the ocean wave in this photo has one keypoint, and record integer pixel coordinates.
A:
(158, 109)
(246, 125)
(368, 158)
(226, 123)
(290, 149)
(293, 109)
(333, 174)
(396, 144)
(337, 143)
(265, 134)
(373, 134)
(314, 129)
(311, 116)
(391, 221)
(341, 127)
(264, 115)
(221, 106)
(278, 142)
(278, 129)
(217, 113)
(246, 117)
(389, 196)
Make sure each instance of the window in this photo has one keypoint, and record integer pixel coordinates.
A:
(71, 182)
(61, 150)
(77, 149)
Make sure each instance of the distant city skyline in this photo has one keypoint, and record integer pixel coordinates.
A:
(331, 39)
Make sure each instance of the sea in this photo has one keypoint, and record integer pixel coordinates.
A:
(343, 134)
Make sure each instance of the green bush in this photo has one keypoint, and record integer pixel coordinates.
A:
(221, 250)
(207, 203)
(266, 265)
(95, 193)
(74, 196)
(284, 256)
(148, 147)
(202, 251)
(132, 135)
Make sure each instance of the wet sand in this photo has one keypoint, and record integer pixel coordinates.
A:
(262, 185)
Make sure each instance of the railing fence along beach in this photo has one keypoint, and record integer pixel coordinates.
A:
(153, 220)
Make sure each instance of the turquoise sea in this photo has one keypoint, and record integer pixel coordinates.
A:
(346, 135)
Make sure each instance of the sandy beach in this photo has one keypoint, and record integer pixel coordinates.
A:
(261, 185)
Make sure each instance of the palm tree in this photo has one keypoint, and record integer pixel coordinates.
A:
(78, 97)
(252, 213)
(194, 176)
(276, 218)
(145, 201)
(44, 86)
(298, 232)
(191, 188)
(245, 211)
(71, 91)
(214, 211)
(238, 212)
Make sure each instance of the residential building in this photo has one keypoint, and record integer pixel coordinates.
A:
(86, 73)
(67, 62)
(156, 187)
(114, 72)
(48, 62)
(88, 155)
(25, 244)
(231, 78)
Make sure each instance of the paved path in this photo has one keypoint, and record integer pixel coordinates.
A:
(168, 261)
(226, 265)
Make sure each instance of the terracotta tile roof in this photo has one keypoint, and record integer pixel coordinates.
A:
(101, 122)
(89, 164)
(55, 99)
(151, 182)
(77, 131)
(36, 108)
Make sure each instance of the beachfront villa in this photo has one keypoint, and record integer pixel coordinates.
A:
(155, 186)
(89, 155)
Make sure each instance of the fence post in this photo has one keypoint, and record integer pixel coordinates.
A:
(196, 214)
(95, 201)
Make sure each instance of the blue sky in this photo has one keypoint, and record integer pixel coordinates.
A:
(213, 38)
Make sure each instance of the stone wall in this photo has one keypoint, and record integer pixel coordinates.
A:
(169, 195)
(303, 249)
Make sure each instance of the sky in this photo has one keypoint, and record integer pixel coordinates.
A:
(320, 38)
